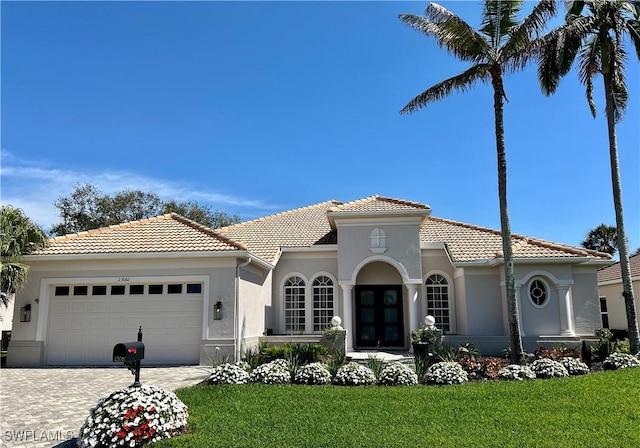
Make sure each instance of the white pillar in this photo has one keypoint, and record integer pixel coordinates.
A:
(566, 310)
(347, 314)
(414, 311)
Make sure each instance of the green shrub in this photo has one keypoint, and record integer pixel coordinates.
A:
(375, 363)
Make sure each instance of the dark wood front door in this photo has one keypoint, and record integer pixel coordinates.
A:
(379, 318)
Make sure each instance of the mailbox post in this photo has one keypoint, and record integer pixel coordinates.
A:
(130, 353)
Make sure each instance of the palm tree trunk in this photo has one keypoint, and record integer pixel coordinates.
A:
(517, 353)
(627, 287)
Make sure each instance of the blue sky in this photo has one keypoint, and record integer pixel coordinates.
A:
(259, 107)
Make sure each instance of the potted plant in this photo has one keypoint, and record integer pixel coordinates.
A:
(425, 339)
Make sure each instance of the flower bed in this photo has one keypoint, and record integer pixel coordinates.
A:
(516, 372)
(134, 416)
(353, 374)
(620, 361)
(446, 373)
(396, 374)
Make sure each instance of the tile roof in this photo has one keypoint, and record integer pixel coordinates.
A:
(378, 204)
(467, 242)
(614, 272)
(166, 233)
(303, 227)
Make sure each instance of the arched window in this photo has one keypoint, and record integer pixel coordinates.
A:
(322, 303)
(538, 292)
(437, 291)
(294, 313)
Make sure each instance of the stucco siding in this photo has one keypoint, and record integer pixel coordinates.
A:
(483, 303)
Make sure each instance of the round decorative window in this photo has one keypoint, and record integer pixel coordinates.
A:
(538, 292)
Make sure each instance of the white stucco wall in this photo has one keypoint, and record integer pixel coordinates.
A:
(483, 301)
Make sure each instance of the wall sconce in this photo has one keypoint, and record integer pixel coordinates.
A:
(217, 311)
(25, 313)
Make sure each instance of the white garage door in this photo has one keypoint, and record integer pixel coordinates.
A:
(86, 321)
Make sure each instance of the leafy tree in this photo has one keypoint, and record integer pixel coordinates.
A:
(20, 236)
(502, 45)
(603, 238)
(200, 213)
(597, 39)
(88, 208)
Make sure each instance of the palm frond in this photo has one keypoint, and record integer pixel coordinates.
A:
(461, 83)
(520, 42)
(450, 32)
(589, 61)
(633, 29)
(498, 19)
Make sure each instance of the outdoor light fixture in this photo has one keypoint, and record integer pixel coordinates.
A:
(217, 311)
(25, 313)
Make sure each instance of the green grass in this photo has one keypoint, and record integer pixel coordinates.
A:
(596, 410)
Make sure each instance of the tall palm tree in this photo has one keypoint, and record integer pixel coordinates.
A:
(597, 40)
(19, 237)
(502, 45)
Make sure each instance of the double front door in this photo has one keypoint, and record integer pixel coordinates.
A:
(379, 318)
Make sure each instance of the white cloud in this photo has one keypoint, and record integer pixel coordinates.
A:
(34, 186)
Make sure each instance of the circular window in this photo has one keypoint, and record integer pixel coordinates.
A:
(538, 292)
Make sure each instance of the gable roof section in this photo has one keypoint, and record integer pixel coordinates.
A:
(614, 272)
(377, 206)
(166, 233)
(467, 242)
(302, 227)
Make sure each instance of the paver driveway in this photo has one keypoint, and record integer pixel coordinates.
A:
(45, 407)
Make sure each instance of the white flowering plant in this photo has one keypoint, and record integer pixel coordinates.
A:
(228, 374)
(314, 373)
(515, 372)
(548, 368)
(574, 366)
(133, 417)
(397, 374)
(244, 365)
(446, 372)
(354, 374)
(274, 372)
(617, 361)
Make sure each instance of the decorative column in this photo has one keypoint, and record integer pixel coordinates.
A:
(347, 314)
(566, 310)
(414, 311)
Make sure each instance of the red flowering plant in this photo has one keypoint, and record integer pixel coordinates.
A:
(133, 417)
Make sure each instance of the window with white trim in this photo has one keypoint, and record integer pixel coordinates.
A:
(538, 292)
(437, 292)
(322, 303)
(604, 314)
(294, 301)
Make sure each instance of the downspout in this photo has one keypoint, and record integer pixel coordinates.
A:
(236, 306)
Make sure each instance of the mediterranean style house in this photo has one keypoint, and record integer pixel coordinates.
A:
(381, 264)
(612, 307)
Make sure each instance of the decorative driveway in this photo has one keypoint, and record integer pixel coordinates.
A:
(46, 407)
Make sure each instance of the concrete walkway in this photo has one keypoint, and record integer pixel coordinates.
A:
(46, 407)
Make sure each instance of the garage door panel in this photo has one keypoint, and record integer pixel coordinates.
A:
(83, 330)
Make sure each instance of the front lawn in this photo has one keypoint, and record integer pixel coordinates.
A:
(601, 409)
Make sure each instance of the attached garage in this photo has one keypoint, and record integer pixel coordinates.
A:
(87, 320)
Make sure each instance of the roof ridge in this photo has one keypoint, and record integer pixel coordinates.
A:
(111, 228)
(377, 197)
(206, 230)
(276, 215)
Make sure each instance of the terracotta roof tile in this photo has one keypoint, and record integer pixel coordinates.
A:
(302, 227)
(379, 204)
(613, 272)
(166, 233)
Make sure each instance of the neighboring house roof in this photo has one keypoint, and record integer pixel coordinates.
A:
(613, 272)
(166, 233)
(303, 227)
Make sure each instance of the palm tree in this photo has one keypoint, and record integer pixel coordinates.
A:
(597, 41)
(502, 45)
(19, 237)
(603, 238)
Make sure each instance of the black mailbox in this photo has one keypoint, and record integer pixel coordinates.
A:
(128, 352)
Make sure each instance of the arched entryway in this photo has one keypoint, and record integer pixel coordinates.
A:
(379, 310)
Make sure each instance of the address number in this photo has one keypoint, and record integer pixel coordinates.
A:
(124, 279)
